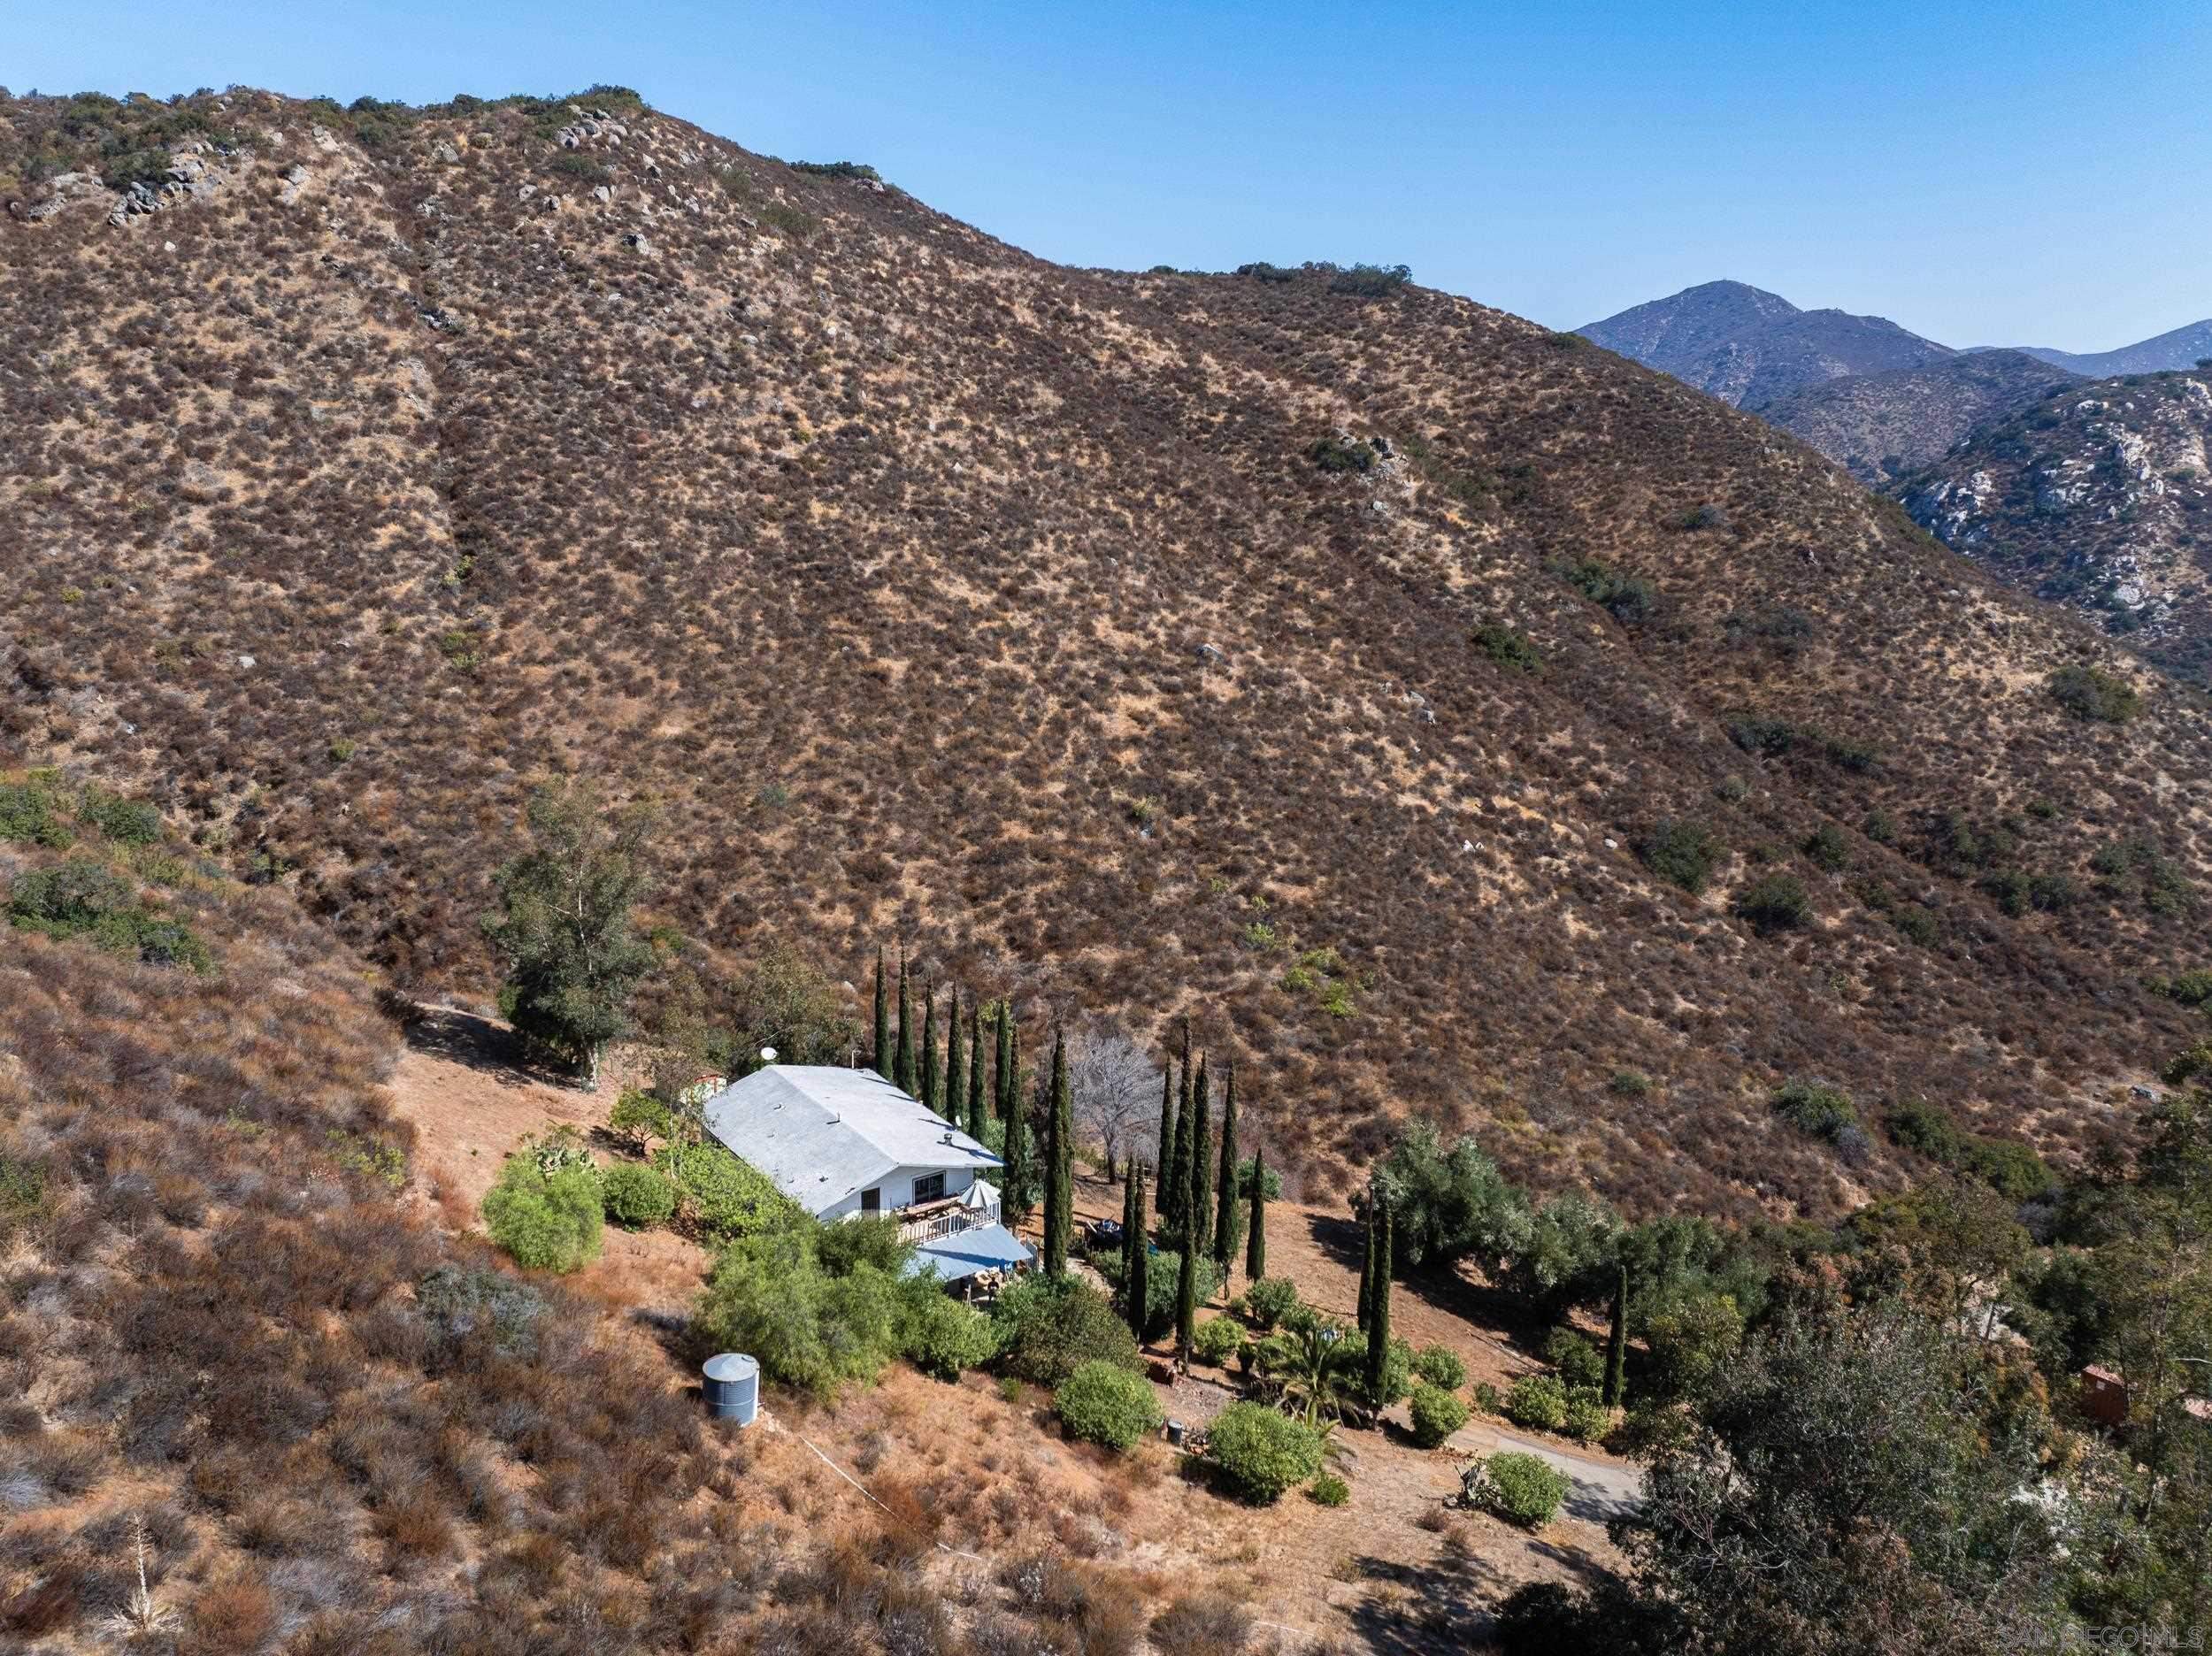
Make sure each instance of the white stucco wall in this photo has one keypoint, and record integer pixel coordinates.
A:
(898, 1190)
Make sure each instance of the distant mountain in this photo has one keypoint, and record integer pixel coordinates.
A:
(2182, 348)
(1751, 348)
(1882, 426)
(2096, 495)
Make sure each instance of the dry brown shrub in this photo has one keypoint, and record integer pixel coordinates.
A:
(230, 1616)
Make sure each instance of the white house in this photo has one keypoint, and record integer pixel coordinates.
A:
(846, 1142)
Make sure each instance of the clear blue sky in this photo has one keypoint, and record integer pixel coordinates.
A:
(1995, 174)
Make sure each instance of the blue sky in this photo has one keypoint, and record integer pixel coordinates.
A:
(2024, 173)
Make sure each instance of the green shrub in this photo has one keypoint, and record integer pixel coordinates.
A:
(1918, 1124)
(1048, 1327)
(1437, 1414)
(1216, 1341)
(639, 1117)
(1328, 1490)
(1371, 282)
(2010, 1168)
(22, 1195)
(1521, 1489)
(2191, 988)
(1440, 1366)
(789, 221)
(1631, 1082)
(1815, 1110)
(836, 169)
(129, 822)
(1261, 1453)
(31, 814)
(1332, 456)
(1682, 852)
(939, 1334)
(1271, 1299)
(1628, 599)
(1508, 648)
(2091, 695)
(769, 1297)
(1587, 1420)
(1918, 925)
(636, 1197)
(81, 898)
(1538, 1401)
(1776, 902)
(1827, 848)
(545, 1223)
(1486, 1398)
(1577, 1360)
(719, 1196)
(1104, 1403)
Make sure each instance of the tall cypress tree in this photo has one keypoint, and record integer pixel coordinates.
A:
(883, 1019)
(1617, 1343)
(976, 1115)
(1059, 1163)
(1186, 1304)
(932, 1097)
(1021, 1173)
(1198, 1214)
(1008, 1076)
(1367, 1266)
(1166, 1143)
(1378, 1310)
(1172, 1176)
(956, 1072)
(1228, 1217)
(1255, 1234)
(1128, 1214)
(1139, 1275)
(903, 1073)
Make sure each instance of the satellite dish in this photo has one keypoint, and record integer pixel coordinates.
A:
(768, 1055)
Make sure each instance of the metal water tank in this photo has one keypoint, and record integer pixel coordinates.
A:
(732, 1385)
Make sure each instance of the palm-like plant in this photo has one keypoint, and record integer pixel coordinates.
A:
(1309, 1370)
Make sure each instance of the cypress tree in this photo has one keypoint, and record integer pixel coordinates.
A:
(1002, 1098)
(1165, 1148)
(931, 1095)
(1020, 1177)
(1186, 1303)
(1172, 1175)
(903, 1073)
(1617, 1343)
(1128, 1216)
(1255, 1235)
(1059, 1158)
(956, 1072)
(1198, 1214)
(1367, 1266)
(1227, 1216)
(1138, 1277)
(883, 1019)
(1378, 1310)
(976, 1117)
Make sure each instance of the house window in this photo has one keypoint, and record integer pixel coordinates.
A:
(872, 1200)
(930, 1187)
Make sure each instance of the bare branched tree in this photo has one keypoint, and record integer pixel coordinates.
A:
(1117, 1090)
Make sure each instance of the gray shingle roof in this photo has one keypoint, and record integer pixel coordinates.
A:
(821, 1132)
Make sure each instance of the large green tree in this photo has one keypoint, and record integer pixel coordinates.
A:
(955, 1070)
(1136, 1281)
(930, 1092)
(563, 926)
(979, 1114)
(1198, 1211)
(1379, 1311)
(905, 1074)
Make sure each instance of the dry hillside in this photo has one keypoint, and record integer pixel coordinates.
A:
(1114, 638)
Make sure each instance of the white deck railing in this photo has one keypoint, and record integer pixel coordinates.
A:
(938, 1226)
